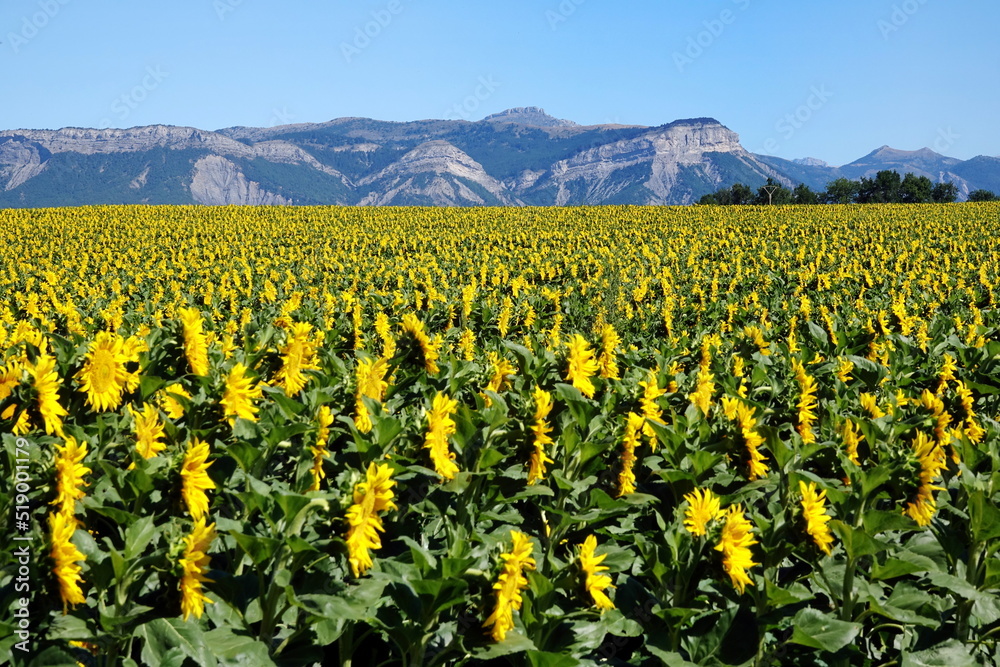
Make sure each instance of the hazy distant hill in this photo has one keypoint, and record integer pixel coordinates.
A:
(521, 156)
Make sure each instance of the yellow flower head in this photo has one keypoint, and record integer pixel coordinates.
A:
(371, 496)
(47, 383)
(509, 585)
(626, 478)
(541, 430)
(65, 557)
(814, 513)
(298, 355)
(319, 450)
(703, 508)
(148, 431)
(414, 328)
(370, 377)
(194, 565)
(103, 376)
(735, 543)
(195, 340)
(195, 480)
(932, 458)
(581, 365)
(69, 474)
(594, 582)
(610, 340)
(440, 427)
(170, 405)
(240, 394)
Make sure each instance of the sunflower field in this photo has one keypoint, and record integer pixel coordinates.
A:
(538, 437)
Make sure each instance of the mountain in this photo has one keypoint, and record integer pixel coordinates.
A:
(518, 157)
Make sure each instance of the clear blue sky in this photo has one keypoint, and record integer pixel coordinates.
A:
(908, 73)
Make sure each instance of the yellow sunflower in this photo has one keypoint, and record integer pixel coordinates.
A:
(194, 564)
(195, 480)
(103, 377)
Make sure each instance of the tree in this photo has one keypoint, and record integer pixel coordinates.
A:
(803, 195)
(885, 188)
(982, 195)
(741, 194)
(944, 193)
(916, 189)
(708, 200)
(778, 195)
(841, 191)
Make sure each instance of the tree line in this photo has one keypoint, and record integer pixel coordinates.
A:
(887, 187)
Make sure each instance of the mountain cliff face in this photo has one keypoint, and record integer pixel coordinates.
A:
(518, 157)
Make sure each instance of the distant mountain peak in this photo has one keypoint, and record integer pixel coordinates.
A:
(895, 153)
(535, 116)
(810, 162)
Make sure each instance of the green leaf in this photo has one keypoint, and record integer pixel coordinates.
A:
(669, 658)
(513, 643)
(138, 536)
(857, 542)
(164, 634)
(53, 657)
(542, 659)
(948, 654)
(234, 650)
(822, 631)
(260, 549)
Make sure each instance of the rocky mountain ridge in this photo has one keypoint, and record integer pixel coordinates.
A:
(521, 156)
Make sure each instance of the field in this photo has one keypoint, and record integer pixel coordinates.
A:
(546, 437)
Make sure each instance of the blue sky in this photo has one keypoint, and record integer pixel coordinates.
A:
(832, 80)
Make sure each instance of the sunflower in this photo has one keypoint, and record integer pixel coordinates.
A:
(626, 478)
(371, 496)
(370, 377)
(502, 370)
(814, 513)
(65, 555)
(594, 582)
(440, 427)
(194, 564)
(195, 341)
(103, 377)
(413, 327)
(932, 460)
(195, 480)
(319, 450)
(735, 543)
(509, 585)
(169, 403)
(581, 365)
(703, 508)
(47, 383)
(702, 394)
(239, 395)
(69, 474)
(541, 430)
(148, 431)
(610, 340)
(652, 412)
(807, 402)
(298, 355)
